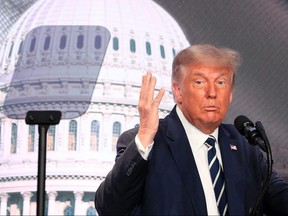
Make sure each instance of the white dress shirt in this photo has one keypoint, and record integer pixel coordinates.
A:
(200, 152)
(196, 139)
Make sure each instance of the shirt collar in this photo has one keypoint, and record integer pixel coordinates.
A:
(196, 137)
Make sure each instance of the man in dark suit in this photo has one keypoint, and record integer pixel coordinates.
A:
(164, 167)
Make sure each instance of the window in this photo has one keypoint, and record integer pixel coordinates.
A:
(11, 49)
(80, 41)
(51, 138)
(115, 43)
(162, 51)
(116, 134)
(132, 46)
(63, 41)
(116, 129)
(68, 211)
(148, 48)
(94, 137)
(47, 43)
(13, 139)
(97, 42)
(32, 45)
(173, 52)
(72, 142)
(20, 48)
(91, 211)
(31, 138)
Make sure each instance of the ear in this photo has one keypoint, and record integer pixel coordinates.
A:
(177, 92)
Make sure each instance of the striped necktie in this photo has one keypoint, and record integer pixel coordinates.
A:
(217, 176)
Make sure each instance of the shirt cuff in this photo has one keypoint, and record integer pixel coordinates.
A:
(144, 152)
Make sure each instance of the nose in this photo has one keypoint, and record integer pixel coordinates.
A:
(211, 90)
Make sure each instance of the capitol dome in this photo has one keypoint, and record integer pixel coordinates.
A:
(80, 150)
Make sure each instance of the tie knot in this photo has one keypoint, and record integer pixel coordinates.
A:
(210, 141)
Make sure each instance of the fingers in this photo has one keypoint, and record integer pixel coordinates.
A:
(147, 90)
(159, 97)
(148, 109)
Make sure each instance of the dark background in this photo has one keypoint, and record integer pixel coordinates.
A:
(258, 29)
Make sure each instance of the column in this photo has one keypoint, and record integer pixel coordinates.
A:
(26, 202)
(106, 131)
(6, 124)
(4, 199)
(51, 202)
(78, 201)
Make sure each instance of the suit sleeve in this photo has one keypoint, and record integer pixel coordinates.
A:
(275, 201)
(122, 188)
(276, 198)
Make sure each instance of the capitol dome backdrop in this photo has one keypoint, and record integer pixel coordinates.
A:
(48, 59)
(43, 42)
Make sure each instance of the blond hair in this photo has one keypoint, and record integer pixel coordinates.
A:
(205, 54)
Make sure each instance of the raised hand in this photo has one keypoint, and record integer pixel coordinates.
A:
(148, 109)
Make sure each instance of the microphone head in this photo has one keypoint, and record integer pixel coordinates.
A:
(241, 122)
(246, 128)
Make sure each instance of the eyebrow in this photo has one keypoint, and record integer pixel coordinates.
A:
(199, 73)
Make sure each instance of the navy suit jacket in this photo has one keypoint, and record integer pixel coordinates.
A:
(168, 183)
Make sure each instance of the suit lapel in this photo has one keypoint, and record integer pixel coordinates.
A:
(233, 172)
(182, 154)
(232, 159)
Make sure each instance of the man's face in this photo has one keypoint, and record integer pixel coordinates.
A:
(204, 95)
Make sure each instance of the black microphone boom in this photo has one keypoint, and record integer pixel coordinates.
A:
(247, 129)
(256, 135)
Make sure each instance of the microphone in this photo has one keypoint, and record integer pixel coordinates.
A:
(256, 136)
(246, 127)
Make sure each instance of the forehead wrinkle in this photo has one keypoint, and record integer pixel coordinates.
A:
(204, 74)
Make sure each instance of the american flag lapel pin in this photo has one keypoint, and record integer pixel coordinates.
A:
(233, 147)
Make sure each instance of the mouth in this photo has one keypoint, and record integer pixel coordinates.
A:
(210, 108)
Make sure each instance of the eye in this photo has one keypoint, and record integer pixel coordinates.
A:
(199, 83)
(221, 82)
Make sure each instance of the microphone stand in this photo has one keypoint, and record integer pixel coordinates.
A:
(43, 119)
(254, 210)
